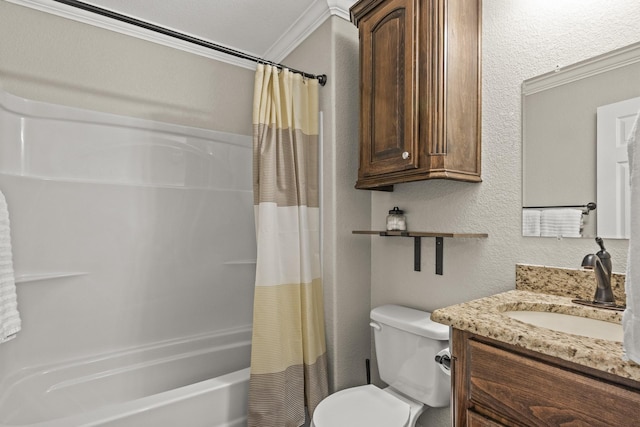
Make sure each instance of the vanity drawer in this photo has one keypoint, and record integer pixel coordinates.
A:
(531, 392)
(477, 420)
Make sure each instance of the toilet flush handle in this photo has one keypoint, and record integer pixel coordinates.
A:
(375, 326)
(443, 359)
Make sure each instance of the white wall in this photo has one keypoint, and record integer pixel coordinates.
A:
(521, 39)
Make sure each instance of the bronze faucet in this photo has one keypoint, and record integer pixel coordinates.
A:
(601, 263)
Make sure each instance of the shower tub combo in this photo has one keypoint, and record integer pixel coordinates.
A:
(134, 255)
(200, 381)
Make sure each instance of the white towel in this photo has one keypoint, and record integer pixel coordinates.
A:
(530, 222)
(631, 316)
(9, 318)
(564, 222)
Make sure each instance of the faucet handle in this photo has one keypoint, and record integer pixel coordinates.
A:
(604, 256)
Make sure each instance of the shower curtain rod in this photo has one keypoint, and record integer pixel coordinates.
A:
(322, 78)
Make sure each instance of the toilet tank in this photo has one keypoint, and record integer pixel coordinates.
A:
(406, 343)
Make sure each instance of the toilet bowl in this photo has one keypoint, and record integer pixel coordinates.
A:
(406, 343)
(368, 406)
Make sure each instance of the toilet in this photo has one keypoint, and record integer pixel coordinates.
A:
(406, 344)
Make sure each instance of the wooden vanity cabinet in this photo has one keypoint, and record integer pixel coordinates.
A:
(495, 384)
(419, 90)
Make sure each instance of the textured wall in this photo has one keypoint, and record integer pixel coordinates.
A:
(521, 39)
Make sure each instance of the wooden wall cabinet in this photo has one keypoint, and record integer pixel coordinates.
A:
(420, 95)
(496, 384)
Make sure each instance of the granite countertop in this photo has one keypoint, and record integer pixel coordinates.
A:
(483, 317)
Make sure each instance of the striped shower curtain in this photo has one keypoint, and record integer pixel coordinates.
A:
(288, 359)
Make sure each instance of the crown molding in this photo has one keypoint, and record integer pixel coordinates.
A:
(306, 24)
(617, 58)
(341, 8)
(302, 28)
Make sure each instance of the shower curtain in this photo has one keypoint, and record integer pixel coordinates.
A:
(288, 359)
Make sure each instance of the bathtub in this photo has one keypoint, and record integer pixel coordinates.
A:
(196, 381)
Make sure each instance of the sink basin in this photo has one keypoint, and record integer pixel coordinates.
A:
(567, 323)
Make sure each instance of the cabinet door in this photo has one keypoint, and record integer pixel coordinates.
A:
(388, 113)
(532, 392)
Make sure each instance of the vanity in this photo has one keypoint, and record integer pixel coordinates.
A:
(508, 372)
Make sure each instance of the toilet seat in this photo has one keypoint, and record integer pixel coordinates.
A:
(362, 406)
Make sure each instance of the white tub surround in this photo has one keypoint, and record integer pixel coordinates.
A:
(126, 233)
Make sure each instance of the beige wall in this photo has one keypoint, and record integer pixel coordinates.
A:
(49, 58)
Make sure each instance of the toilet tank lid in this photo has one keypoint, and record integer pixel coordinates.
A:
(411, 320)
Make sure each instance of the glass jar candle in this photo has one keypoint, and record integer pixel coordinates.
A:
(396, 220)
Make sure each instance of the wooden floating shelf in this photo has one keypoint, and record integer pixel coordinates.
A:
(422, 234)
(417, 245)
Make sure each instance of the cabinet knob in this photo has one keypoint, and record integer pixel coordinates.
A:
(406, 155)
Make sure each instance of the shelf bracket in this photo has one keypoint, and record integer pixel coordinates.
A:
(439, 254)
(417, 253)
(417, 243)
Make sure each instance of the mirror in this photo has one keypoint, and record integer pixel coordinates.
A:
(560, 144)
